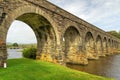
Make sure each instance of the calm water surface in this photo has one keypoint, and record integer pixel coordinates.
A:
(106, 66)
(14, 53)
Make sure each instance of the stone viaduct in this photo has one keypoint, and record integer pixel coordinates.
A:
(61, 37)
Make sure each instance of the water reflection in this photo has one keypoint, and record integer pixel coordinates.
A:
(106, 66)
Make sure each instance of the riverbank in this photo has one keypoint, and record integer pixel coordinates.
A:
(26, 69)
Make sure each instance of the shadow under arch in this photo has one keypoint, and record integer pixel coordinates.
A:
(99, 46)
(90, 46)
(109, 46)
(105, 47)
(72, 45)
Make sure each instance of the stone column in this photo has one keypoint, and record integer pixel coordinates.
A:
(3, 53)
(60, 55)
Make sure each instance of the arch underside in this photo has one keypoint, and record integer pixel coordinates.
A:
(73, 47)
(113, 50)
(110, 48)
(45, 34)
(90, 46)
(105, 48)
(72, 41)
(99, 46)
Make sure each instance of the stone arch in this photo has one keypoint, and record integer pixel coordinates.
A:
(67, 26)
(115, 44)
(72, 40)
(114, 48)
(46, 32)
(99, 45)
(105, 48)
(118, 45)
(90, 45)
(109, 46)
(112, 45)
(109, 42)
(30, 9)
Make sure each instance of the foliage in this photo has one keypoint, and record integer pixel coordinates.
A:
(27, 69)
(15, 44)
(29, 53)
(114, 33)
(23, 45)
(28, 45)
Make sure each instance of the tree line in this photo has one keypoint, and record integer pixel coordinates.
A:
(114, 33)
(16, 45)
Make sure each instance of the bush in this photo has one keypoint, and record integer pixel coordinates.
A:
(29, 53)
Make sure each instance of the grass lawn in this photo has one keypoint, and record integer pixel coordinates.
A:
(26, 69)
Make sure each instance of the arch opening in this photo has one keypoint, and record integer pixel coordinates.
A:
(109, 46)
(114, 47)
(72, 42)
(19, 37)
(105, 49)
(112, 44)
(99, 46)
(90, 46)
(44, 32)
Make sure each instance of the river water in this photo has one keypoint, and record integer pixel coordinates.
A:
(14, 53)
(108, 66)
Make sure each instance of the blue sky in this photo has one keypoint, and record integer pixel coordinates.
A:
(104, 14)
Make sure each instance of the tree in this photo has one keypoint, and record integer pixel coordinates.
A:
(15, 45)
(114, 33)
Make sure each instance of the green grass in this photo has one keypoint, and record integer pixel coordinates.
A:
(26, 69)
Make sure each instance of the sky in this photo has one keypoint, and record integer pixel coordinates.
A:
(105, 14)
(20, 32)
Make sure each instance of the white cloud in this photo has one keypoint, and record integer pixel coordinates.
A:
(102, 13)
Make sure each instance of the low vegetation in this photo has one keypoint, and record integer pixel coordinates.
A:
(29, 53)
(28, 69)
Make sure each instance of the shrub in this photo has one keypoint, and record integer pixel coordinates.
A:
(29, 53)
